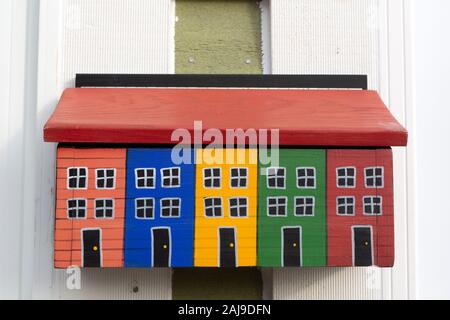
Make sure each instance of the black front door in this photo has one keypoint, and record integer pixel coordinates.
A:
(227, 245)
(91, 249)
(291, 247)
(362, 246)
(161, 247)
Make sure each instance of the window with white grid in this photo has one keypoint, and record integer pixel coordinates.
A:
(277, 206)
(77, 178)
(346, 177)
(104, 208)
(76, 208)
(374, 177)
(238, 177)
(373, 205)
(345, 206)
(304, 206)
(170, 207)
(306, 178)
(276, 178)
(145, 178)
(145, 208)
(238, 207)
(105, 178)
(212, 177)
(170, 177)
(213, 207)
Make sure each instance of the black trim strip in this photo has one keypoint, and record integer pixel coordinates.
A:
(222, 81)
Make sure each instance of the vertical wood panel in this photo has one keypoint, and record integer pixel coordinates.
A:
(327, 284)
(326, 37)
(98, 37)
(44, 286)
(106, 284)
(395, 87)
(115, 36)
(218, 36)
(17, 96)
(9, 275)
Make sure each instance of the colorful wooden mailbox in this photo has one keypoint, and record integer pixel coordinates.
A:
(127, 198)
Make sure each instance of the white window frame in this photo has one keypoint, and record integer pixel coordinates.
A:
(338, 206)
(136, 207)
(105, 178)
(276, 177)
(238, 207)
(277, 215)
(372, 205)
(374, 177)
(304, 206)
(212, 178)
(306, 177)
(145, 177)
(346, 177)
(170, 177)
(77, 208)
(171, 206)
(239, 177)
(104, 208)
(213, 207)
(77, 178)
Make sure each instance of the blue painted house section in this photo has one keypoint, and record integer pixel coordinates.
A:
(152, 181)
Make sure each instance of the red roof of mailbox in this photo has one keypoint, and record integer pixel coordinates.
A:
(303, 117)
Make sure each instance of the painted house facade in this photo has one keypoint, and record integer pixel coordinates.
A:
(225, 207)
(133, 206)
(360, 207)
(292, 209)
(90, 207)
(159, 229)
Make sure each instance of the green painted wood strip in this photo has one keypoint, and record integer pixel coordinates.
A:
(216, 284)
(218, 37)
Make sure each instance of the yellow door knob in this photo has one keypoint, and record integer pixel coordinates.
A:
(95, 248)
(232, 245)
(165, 246)
(366, 243)
(294, 245)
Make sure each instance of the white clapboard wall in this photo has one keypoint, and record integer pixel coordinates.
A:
(66, 37)
(347, 37)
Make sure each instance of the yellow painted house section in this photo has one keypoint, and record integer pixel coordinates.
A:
(206, 249)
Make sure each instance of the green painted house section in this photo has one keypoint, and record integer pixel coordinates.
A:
(313, 228)
(218, 37)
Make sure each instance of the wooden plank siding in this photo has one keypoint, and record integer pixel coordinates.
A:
(207, 248)
(68, 231)
(339, 232)
(313, 228)
(217, 37)
(139, 243)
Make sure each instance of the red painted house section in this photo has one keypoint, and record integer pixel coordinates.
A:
(68, 230)
(304, 117)
(341, 246)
